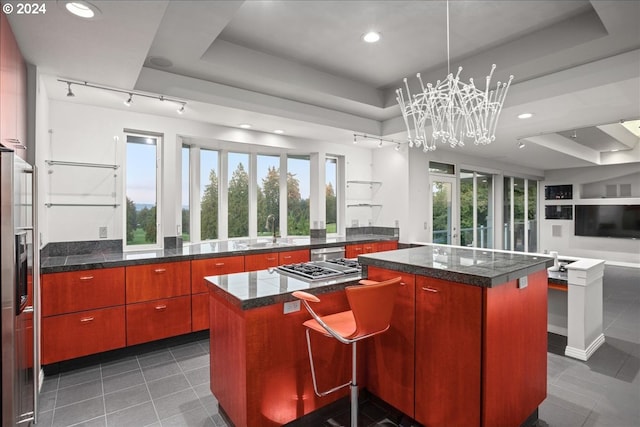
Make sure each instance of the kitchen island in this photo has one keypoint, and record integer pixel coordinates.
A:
(467, 345)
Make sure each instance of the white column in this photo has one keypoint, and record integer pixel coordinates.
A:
(584, 308)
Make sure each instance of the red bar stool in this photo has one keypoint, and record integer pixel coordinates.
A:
(371, 306)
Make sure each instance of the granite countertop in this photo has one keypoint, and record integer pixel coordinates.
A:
(267, 287)
(471, 266)
(214, 249)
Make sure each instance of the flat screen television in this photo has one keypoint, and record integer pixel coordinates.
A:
(608, 221)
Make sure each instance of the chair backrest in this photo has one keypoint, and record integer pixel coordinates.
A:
(372, 305)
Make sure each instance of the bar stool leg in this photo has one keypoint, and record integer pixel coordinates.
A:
(354, 387)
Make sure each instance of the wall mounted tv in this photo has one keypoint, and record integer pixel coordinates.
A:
(608, 221)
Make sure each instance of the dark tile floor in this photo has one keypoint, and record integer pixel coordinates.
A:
(167, 384)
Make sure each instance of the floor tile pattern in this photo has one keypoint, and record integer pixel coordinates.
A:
(167, 384)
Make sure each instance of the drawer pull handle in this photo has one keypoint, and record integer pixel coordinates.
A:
(161, 307)
(403, 284)
(219, 264)
(287, 257)
(271, 259)
(86, 277)
(428, 289)
(86, 319)
(160, 270)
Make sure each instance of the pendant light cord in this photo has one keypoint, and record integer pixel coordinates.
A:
(448, 61)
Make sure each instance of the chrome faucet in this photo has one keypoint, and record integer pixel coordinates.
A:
(272, 218)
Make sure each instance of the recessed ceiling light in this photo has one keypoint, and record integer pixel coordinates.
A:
(614, 150)
(525, 115)
(371, 37)
(245, 126)
(83, 9)
(278, 131)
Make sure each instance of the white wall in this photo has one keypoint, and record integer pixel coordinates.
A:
(85, 133)
(610, 249)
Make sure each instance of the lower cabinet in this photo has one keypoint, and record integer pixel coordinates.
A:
(153, 320)
(390, 356)
(200, 312)
(68, 336)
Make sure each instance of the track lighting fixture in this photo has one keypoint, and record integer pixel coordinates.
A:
(521, 144)
(397, 147)
(181, 104)
(377, 138)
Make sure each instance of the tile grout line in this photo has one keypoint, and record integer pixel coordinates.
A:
(191, 386)
(104, 400)
(146, 384)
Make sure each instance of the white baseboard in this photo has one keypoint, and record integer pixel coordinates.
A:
(584, 355)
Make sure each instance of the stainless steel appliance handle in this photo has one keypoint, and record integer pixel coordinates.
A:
(35, 298)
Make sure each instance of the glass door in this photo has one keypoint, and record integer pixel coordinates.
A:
(444, 210)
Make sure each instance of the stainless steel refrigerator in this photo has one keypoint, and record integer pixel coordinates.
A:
(20, 275)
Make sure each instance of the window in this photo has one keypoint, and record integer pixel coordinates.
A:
(520, 214)
(142, 191)
(476, 209)
(331, 214)
(298, 189)
(268, 183)
(443, 168)
(209, 188)
(185, 199)
(238, 195)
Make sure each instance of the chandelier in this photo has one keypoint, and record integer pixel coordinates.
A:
(457, 112)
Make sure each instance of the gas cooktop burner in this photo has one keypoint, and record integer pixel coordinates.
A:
(319, 270)
(353, 263)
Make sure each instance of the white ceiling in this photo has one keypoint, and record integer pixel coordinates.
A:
(302, 67)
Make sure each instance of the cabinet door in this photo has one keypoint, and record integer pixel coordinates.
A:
(153, 281)
(390, 356)
(82, 290)
(352, 251)
(260, 261)
(448, 353)
(369, 248)
(150, 321)
(201, 268)
(387, 246)
(79, 334)
(293, 257)
(200, 312)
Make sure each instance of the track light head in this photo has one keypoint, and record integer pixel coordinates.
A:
(521, 144)
(397, 147)
(380, 143)
(69, 91)
(355, 140)
(129, 101)
(181, 109)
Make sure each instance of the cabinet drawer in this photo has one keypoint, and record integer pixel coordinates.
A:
(260, 261)
(150, 321)
(293, 257)
(155, 281)
(200, 312)
(352, 251)
(201, 268)
(82, 290)
(79, 334)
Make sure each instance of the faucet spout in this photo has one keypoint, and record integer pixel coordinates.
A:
(272, 218)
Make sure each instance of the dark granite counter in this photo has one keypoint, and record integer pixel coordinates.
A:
(266, 287)
(56, 264)
(478, 267)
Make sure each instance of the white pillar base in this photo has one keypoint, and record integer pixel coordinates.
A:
(584, 355)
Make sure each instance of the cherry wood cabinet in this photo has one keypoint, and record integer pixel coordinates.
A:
(448, 353)
(162, 318)
(352, 251)
(73, 291)
(293, 257)
(391, 356)
(154, 281)
(390, 245)
(13, 89)
(201, 268)
(78, 334)
(83, 313)
(261, 261)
